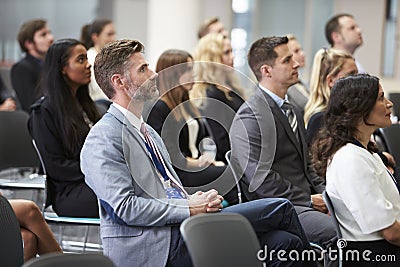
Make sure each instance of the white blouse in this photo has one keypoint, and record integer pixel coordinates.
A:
(363, 193)
(193, 129)
(95, 91)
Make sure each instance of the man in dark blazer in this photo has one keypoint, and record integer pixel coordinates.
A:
(267, 153)
(34, 38)
(127, 165)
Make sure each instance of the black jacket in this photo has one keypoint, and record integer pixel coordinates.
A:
(67, 189)
(25, 78)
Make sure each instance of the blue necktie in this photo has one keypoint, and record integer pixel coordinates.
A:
(172, 187)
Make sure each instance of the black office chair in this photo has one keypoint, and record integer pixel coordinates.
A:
(395, 98)
(18, 160)
(102, 106)
(52, 218)
(16, 149)
(11, 250)
(221, 239)
(70, 260)
(391, 140)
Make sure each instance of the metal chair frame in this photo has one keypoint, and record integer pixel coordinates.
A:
(52, 217)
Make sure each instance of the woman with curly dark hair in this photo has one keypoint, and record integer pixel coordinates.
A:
(59, 123)
(363, 192)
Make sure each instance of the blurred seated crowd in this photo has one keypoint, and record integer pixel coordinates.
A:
(144, 150)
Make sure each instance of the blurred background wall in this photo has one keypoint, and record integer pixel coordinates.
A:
(163, 24)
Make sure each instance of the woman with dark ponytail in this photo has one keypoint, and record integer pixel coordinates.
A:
(95, 36)
(59, 123)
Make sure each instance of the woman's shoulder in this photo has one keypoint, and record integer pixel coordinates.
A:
(157, 113)
(352, 154)
(317, 116)
(214, 92)
(159, 107)
(40, 105)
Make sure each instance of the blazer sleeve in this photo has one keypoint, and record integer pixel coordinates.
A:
(44, 130)
(113, 173)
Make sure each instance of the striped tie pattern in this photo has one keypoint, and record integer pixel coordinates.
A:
(173, 188)
(289, 112)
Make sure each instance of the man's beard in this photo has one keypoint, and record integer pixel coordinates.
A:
(38, 51)
(144, 92)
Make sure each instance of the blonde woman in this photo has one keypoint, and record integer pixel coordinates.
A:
(329, 65)
(216, 92)
(179, 123)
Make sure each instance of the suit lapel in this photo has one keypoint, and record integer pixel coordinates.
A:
(282, 119)
(130, 128)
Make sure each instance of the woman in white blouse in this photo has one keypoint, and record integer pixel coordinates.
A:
(363, 192)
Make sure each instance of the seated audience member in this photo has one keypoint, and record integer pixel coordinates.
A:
(36, 234)
(212, 25)
(34, 38)
(364, 194)
(96, 35)
(59, 123)
(173, 115)
(328, 66)
(217, 91)
(142, 201)
(269, 152)
(298, 94)
(343, 33)
(7, 103)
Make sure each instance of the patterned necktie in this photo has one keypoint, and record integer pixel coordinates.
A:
(173, 189)
(289, 112)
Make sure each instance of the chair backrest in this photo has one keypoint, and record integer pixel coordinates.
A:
(391, 139)
(102, 106)
(16, 149)
(69, 260)
(239, 189)
(221, 239)
(48, 195)
(11, 251)
(395, 98)
(331, 209)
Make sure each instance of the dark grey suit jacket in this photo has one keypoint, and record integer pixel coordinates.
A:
(268, 157)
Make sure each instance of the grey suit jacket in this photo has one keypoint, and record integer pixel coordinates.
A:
(268, 157)
(136, 216)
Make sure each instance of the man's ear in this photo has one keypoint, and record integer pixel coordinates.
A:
(336, 37)
(265, 70)
(117, 81)
(94, 37)
(29, 45)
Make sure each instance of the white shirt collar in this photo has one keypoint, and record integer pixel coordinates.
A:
(135, 121)
(278, 100)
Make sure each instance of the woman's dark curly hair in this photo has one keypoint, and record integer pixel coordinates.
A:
(352, 99)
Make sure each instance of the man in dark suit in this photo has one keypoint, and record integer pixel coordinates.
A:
(34, 38)
(268, 144)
